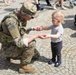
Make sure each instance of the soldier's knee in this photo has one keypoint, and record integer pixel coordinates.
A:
(32, 44)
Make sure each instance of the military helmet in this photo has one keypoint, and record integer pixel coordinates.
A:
(29, 8)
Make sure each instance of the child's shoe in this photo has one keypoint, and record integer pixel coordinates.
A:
(57, 64)
(51, 61)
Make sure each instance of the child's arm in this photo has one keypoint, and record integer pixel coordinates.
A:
(46, 28)
(39, 28)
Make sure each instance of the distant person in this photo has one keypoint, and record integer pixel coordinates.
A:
(37, 5)
(61, 4)
(7, 2)
(48, 2)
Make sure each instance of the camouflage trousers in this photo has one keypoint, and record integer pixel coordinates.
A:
(26, 54)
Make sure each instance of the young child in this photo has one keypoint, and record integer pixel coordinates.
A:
(56, 36)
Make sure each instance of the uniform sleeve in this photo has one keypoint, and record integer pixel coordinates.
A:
(21, 42)
(12, 26)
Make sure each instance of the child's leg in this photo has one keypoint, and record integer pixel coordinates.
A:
(58, 53)
(53, 50)
(53, 54)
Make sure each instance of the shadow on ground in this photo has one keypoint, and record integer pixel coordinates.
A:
(41, 59)
(9, 9)
(4, 64)
(69, 22)
(73, 35)
(1, 1)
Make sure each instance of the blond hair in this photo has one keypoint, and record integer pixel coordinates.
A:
(58, 15)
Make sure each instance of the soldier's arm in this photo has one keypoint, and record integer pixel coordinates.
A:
(33, 38)
(20, 41)
(27, 39)
(12, 27)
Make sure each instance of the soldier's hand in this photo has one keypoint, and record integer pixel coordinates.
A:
(38, 28)
(42, 36)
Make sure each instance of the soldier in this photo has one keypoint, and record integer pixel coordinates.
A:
(14, 37)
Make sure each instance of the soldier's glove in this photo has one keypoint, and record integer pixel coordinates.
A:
(30, 29)
(23, 30)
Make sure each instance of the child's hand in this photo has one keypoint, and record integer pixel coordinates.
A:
(38, 28)
(46, 36)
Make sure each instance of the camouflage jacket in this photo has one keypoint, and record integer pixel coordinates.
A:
(8, 34)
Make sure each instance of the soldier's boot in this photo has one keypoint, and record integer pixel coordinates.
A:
(27, 69)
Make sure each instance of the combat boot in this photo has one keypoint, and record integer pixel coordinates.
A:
(27, 69)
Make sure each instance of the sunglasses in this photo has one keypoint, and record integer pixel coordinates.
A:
(24, 14)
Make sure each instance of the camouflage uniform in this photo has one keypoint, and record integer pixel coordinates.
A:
(14, 46)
